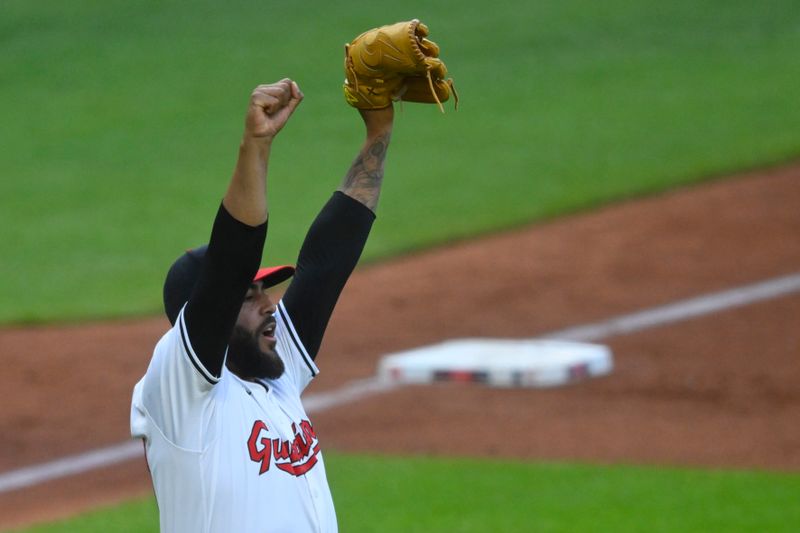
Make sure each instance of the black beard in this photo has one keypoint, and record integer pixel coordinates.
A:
(248, 361)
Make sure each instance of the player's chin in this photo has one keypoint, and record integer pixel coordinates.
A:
(270, 362)
(267, 344)
(254, 356)
(272, 366)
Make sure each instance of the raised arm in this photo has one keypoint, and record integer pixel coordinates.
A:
(237, 237)
(337, 236)
(269, 109)
(363, 180)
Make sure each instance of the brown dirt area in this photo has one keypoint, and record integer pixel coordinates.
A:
(719, 390)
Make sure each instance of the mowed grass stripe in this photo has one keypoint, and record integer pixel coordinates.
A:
(388, 494)
(122, 122)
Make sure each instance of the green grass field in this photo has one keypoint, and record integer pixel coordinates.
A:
(121, 122)
(384, 494)
(120, 127)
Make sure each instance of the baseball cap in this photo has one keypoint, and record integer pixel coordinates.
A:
(185, 271)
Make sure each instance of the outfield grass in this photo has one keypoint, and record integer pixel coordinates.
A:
(462, 495)
(121, 121)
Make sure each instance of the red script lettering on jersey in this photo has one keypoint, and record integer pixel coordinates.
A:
(295, 457)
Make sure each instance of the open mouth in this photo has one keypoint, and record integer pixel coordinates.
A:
(268, 330)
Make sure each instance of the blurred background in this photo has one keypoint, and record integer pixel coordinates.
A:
(121, 120)
(121, 123)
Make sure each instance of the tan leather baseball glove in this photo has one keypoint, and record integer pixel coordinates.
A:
(395, 62)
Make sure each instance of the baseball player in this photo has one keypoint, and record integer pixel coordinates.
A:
(227, 440)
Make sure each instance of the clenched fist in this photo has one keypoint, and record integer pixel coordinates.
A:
(270, 108)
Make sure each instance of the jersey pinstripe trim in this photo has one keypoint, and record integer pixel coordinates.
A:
(307, 359)
(208, 376)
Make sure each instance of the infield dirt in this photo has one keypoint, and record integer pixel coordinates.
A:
(719, 391)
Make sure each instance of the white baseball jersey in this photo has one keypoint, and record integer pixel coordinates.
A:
(231, 455)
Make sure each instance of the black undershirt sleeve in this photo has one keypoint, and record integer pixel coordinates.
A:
(328, 256)
(231, 262)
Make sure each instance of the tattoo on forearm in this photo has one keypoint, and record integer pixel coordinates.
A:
(363, 180)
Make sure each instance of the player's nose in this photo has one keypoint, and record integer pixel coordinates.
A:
(266, 305)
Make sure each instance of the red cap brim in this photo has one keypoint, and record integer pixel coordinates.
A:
(274, 275)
